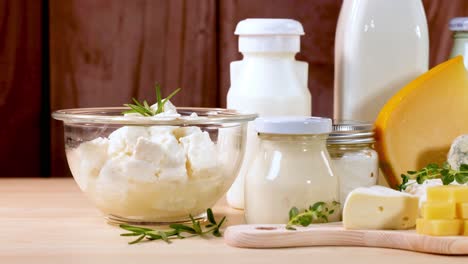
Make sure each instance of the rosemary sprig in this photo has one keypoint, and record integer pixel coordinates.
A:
(177, 231)
(317, 213)
(434, 171)
(145, 109)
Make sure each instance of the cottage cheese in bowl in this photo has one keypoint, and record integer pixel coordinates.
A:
(155, 173)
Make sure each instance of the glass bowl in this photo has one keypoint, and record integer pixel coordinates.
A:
(143, 170)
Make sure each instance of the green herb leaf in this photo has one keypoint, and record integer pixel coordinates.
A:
(130, 234)
(144, 108)
(433, 171)
(210, 216)
(137, 240)
(164, 237)
(196, 225)
(316, 213)
(176, 229)
(293, 212)
(317, 206)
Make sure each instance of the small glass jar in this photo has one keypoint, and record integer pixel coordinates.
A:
(459, 26)
(291, 168)
(351, 148)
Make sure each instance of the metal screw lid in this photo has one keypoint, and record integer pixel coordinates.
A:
(351, 132)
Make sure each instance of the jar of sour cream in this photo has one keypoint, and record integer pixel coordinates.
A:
(351, 148)
(291, 168)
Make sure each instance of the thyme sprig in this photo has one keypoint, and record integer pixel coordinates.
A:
(144, 109)
(316, 213)
(177, 231)
(434, 171)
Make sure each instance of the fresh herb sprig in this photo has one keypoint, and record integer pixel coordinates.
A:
(177, 231)
(434, 171)
(144, 109)
(317, 213)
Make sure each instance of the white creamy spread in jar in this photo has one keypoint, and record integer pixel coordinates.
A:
(356, 169)
(150, 173)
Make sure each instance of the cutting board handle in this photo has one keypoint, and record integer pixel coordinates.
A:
(333, 234)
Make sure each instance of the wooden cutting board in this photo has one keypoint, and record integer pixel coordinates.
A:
(333, 234)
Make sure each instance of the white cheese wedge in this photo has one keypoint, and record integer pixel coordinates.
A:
(458, 153)
(378, 207)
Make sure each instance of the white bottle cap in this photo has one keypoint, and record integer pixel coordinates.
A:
(294, 125)
(269, 35)
(459, 24)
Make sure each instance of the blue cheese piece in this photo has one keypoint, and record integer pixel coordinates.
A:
(458, 153)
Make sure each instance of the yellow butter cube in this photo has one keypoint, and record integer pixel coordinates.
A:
(444, 227)
(448, 193)
(462, 210)
(439, 210)
(465, 231)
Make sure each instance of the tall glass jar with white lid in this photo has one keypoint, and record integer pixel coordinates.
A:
(351, 148)
(291, 168)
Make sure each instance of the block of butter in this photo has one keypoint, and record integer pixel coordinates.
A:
(462, 211)
(445, 212)
(448, 193)
(465, 231)
(439, 227)
(378, 207)
(439, 210)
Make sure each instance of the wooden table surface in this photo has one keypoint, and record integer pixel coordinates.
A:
(51, 221)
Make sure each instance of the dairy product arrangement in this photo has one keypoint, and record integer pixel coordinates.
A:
(298, 169)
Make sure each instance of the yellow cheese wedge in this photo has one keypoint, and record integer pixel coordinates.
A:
(443, 227)
(448, 193)
(462, 211)
(439, 210)
(418, 124)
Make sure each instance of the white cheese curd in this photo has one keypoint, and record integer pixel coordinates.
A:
(123, 140)
(200, 152)
(169, 110)
(157, 173)
(458, 153)
(89, 159)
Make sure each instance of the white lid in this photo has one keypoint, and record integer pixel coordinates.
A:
(459, 24)
(269, 26)
(269, 35)
(293, 125)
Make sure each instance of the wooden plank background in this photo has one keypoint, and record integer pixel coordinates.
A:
(20, 88)
(104, 52)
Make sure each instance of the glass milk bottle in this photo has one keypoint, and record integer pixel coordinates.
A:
(291, 168)
(268, 81)
(380, 46)
(459, 26)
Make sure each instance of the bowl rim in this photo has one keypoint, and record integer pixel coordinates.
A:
(97, 115)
